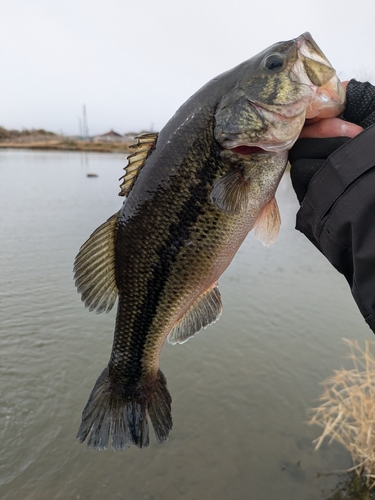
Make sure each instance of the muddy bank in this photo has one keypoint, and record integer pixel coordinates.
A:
(45, 140)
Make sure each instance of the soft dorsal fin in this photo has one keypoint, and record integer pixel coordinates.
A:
(143, 148)
(205, 311)
(94, 268)
(268, 223)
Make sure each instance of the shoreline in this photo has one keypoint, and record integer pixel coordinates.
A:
(69, 145)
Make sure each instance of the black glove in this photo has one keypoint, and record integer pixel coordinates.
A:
(308, 155)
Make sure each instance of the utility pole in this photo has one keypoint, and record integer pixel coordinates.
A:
(85, 126)
(80, 127)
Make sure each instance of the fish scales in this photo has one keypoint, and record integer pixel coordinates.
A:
(192, 195)
(174, 254)
(165, 265)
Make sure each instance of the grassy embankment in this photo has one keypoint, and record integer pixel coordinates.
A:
(42, 139)
(347, 414)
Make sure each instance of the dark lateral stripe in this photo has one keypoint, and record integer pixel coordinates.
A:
(179, 233)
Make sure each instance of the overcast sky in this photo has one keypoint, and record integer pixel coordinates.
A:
(134, 62)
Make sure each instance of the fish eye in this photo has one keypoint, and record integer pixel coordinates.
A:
(274, 62)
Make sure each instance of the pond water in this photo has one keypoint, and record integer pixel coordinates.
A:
(240, 389)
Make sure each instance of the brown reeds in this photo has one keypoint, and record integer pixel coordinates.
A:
(347, 410)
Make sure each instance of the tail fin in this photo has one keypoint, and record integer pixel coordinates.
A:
(108, 413)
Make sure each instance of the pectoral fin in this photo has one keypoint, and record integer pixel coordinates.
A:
(205, 311)
(231, 193)
(268, 223)
(94, 268)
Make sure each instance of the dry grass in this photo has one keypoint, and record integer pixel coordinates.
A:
(347, 410)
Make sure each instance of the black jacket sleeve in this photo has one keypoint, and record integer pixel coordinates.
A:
(338, 216)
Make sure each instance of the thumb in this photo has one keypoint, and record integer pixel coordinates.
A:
(330, 127)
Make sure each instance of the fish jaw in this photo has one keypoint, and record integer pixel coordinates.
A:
(329, 101)
(328, 98)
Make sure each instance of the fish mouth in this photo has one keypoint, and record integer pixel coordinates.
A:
(248, 150)
(314, 69)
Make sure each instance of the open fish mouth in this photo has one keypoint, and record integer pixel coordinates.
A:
(248, 150)
(315, 70)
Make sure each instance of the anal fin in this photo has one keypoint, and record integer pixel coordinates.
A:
(205, 311)
(268, 223)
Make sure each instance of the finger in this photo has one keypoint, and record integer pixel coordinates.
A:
(330, 127)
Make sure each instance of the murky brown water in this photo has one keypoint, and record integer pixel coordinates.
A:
(240, 389)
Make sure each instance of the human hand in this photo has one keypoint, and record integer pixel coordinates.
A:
(321, 137)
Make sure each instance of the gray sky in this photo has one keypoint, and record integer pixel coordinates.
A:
(134, 62)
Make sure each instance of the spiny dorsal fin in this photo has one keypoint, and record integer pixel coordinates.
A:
(145, 145)
(268, 223)
(94, 268)
(205, 311)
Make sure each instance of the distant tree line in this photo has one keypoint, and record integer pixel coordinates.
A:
(14, 134)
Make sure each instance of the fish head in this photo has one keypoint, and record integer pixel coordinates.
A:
(274, 93)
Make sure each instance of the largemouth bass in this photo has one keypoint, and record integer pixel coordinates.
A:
(193, 193)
